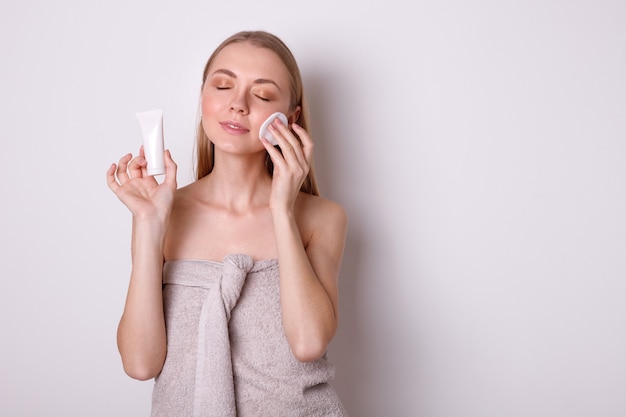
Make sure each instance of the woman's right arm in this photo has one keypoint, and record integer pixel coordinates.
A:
(141, 333)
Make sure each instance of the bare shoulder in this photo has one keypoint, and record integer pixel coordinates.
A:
(189, 224)
(188, 207)
(318, 216)
(186, 197)
(317, 208)
(185, 191)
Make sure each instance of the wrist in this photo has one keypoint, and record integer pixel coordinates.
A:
(281, 211)
(149, 228)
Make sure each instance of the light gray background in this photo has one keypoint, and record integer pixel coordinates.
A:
(478, 146)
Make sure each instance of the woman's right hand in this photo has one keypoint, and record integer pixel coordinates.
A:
(140, 192)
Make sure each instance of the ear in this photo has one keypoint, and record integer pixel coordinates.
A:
(293, 117)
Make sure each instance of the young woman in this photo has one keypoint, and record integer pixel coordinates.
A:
(232, 299)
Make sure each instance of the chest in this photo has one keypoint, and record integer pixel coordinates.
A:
(213, 234)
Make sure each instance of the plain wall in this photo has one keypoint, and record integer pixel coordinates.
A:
(479, 148)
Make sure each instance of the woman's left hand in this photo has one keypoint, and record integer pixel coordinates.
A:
(292, 166)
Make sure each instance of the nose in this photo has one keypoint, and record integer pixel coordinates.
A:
(239, 103)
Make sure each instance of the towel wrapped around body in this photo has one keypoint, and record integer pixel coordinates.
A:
(227, 353)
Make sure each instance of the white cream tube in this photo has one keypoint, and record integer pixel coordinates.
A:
(151, 124)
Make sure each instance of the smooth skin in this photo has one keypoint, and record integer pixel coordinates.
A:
(237, 208)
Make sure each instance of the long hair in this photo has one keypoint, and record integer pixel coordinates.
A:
(205, 156)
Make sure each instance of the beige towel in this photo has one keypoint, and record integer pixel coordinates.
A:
(227, 352)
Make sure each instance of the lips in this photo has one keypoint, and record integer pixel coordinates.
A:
(234, 127)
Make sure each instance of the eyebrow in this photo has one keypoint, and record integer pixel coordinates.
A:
(233, 75)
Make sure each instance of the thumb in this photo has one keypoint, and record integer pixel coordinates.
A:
(170, 170)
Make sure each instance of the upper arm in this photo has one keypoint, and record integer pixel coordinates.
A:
(325, 246)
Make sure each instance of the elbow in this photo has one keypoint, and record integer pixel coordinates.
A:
(141, 365)
(141, 371)
(141, 361)
(308, 345)
(309, 351)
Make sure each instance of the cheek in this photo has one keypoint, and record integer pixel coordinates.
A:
(209, 111)
(210, 117)
(208, 105)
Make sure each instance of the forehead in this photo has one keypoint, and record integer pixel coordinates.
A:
(248, 60)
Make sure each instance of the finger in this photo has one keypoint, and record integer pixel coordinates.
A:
(271, 147)
(276, 156)
(295, 153)
(136, 167)
(144, 168)
(122, 174)
(286, 140)
(111, 180)
(307, 142)
(284, 131)
(170, 170)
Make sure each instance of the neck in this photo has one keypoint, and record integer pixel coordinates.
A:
(239, 182)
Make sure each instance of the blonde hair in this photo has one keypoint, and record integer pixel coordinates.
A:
(205, 148)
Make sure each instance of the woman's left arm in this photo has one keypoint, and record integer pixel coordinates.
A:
(309, 271)
(309, 279)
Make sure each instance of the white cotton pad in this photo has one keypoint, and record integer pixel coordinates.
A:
(264, 131)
